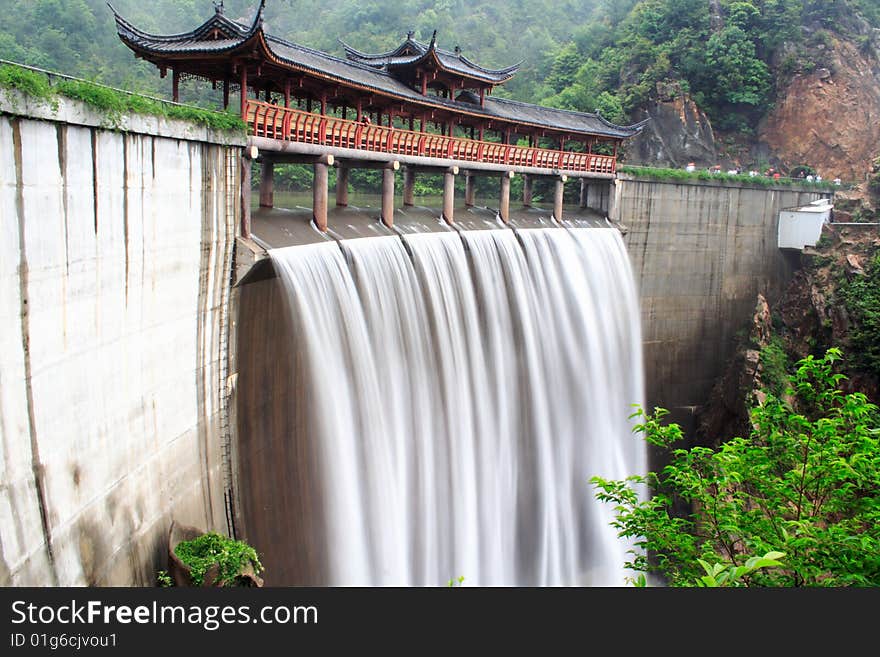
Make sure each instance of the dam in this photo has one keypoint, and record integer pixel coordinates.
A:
(153, 308)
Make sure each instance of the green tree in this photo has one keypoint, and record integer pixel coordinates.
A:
(806, 482)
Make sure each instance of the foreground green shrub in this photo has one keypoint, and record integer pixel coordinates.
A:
(806, 482)
(233, 557)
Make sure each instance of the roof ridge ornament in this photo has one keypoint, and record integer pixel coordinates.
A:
(433, 44)
(218, 7)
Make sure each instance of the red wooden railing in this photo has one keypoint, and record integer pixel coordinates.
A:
(275, 122)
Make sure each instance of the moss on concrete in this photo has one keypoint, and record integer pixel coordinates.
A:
(112, 103)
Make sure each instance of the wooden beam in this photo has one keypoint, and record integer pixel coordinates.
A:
(243, 83)
(175, 85)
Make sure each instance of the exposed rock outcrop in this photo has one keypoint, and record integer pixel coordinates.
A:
(726, 414)
(809, 318)
(830, 118)
(677, 132)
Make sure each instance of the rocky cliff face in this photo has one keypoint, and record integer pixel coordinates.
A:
(808, 319)
(677, 132)
(830, 118)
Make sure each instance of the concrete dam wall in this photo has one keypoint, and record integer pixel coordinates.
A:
(118, 351)
(115, 267)
(701, 251)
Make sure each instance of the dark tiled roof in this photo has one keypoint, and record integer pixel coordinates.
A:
(412, 53)
(235, 35)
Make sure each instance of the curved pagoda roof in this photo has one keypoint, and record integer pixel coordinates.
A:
(412, 54)
(211, 50)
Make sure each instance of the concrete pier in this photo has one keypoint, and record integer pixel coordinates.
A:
(320, 194)
(449, 194)
(504, 200)
(267, 183)
(342, 186)
(558, 196)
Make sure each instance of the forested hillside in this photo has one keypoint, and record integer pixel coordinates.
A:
(733, 59)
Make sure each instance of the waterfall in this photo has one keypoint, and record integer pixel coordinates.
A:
(463, 389)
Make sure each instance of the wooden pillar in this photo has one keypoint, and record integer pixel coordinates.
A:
(225, 94)
(323, 104)
(245, 196)
(243, 83)
(175, 86)
(582, 202)
(469, 189)
(558, 196)
(287, 92)
(388, 193)
(342, 186)
(267, 183)
(268, 95)
(527, 191)
(449, 194)
(360, 110)
(319, 192)
(504, 201)
(409, 181)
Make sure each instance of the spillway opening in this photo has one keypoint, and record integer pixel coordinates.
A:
(415, 408)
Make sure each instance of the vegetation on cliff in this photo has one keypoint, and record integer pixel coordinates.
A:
(805, 481)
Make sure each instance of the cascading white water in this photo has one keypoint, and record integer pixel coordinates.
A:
(464, 389)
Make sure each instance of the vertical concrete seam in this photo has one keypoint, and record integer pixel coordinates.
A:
(125, 228)
(203, 333)
(95, 174)
(36, 464)
(227, 155)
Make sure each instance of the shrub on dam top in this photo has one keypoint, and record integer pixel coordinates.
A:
(113, 103)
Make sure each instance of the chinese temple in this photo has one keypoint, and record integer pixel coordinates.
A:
(417, 100)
